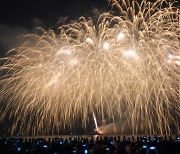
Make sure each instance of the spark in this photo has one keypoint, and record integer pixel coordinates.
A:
(106, 46)
(89, 40)
(95, 121)
(68, 52)
(121, 36)
(73, 62)
(130, 53)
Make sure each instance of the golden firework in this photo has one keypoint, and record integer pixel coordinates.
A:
(125, 67)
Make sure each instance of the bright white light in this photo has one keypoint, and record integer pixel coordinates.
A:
(106, 46)
(130, 53)
(54, 81)
(58, 75)
(170, 56)
(174, 59)
(89, 40)
(177, 62)
(73, 62)
(63, 51)
(169, 61)
(68, 52)
(120, 36)
(178, 57)
(56, 78)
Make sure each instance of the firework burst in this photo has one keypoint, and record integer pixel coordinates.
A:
(125, 68)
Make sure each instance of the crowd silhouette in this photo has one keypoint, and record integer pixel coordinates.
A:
(97, 145)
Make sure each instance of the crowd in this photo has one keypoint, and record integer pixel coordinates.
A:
(98, 145)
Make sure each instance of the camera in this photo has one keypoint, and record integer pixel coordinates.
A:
(85, 151)
(19, 149)
(45, 146)
(152, 148)
(144, 146)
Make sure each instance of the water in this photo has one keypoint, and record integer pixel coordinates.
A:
(90, 136)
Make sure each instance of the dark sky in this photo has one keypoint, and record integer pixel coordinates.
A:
(23, 16)
(19, 17)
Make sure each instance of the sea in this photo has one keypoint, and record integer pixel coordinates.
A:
(89, 136)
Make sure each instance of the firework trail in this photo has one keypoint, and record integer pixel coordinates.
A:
(95, 121)
(125, 67)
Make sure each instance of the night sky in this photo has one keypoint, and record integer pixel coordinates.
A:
(19, 17)
(22, 17)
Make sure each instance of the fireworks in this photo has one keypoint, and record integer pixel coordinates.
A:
(125, 68)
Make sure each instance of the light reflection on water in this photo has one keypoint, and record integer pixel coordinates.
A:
(94, 136)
